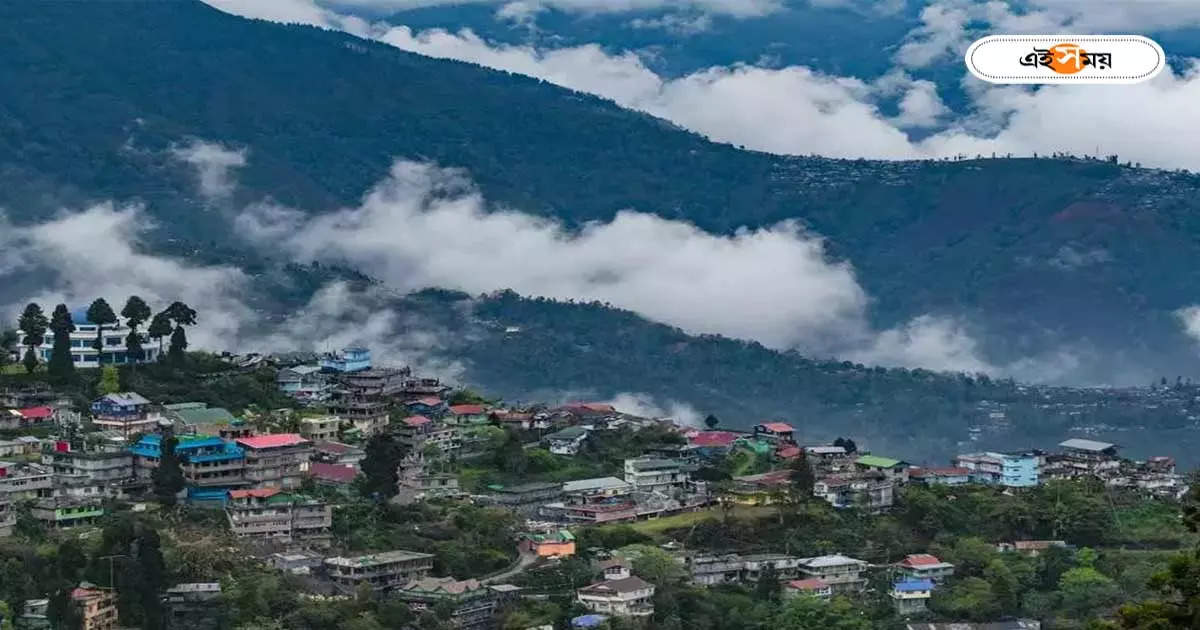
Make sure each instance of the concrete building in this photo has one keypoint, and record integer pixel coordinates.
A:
(97, 606)
(810, 587)
(910, 596)
(364, 398)
(272, 514)
(474, 604)
(353, 359)
(778, 432)
(83, 344)
(624, 597)
(127, 412)
(211, 466)
(192, 606)
(64, 512)
(298, 562)
(923, 566)
(843, 574)
(323, 429)
(870, 491)
(892, 469)
(732, 568)
(559, 543)
(419, 432)
(305, 383)
(384, 571)
(1011, 470)
(525, 498)
(567, 441)
(278, 460)
(950, 476)
(1084, 458)
(25, 481)
(647, 474)
(101, 465)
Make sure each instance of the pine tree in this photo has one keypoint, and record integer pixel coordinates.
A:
(182, 315)
(33, 326)
(168, 477)
(178, 349)
(383, 455)
(135, 312)
(110, 381)
(100, 314)
(160, 328)
(61, 366)
(802, 476)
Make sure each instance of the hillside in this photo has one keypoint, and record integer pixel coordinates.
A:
(1085, 255)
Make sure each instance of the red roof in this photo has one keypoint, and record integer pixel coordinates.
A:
(466, 410)
(788, 452)
(36, 413)
(593, 407)
(259, 493)
(713, 438)
(428, 401)
(919, 559)
(416, 421)
(777, 427)
(811, 584)
(272, 440)
(332, 472)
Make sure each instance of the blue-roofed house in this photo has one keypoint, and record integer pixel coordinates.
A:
(211, 466)
(123, 411)
(909, 596)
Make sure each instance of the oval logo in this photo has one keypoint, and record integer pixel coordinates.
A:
(1076, 59)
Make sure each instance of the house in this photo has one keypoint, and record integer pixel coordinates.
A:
(336, 476)
(871, 491)
(778, 432)
(910, 596)
(211, 466)
(419, 432)
(83, 344)
(364, 398)
(598, 500)
(272, 514)
(525, 498)
(30, 417)
(558, 543)
(810, 587)
(648, 474)
(97, 606)
(473, 604)
(760, 489)
(383, 571)
(338, 453)
(63, 512)
(15, 448)
(597, 487)
(430, 406)
(25, 481)
(128, 412)
(462, 415)
(893, 469)
(567, 441)
(713, 444)
(322, 429)
(589, 410)
(297, 562)
(277, 460)
(950, 476)
(354, 359)
(98, 464)
(415, 483)
(34, 615)
(192, 605)
(732, 568)
(1011, 470)
(306, 383)
(843, 574)
(1080, 457)
(625, 597)
(923, 566)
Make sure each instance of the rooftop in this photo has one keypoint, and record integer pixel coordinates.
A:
(811, 584)
(441, 586)
(834, 560)
(336, 473)
(569, 433)
(596, 483)
(384, 557)
(612, 587)
(416, 421)
(920, 560)
(428, 401)
(826, 450)
(777, 427)
(874, 461)
(466, 410)
(124, 398)
(196, 587)
(714, 438)
(1080, 444)
(651, 463)
(913, 586)
(273, 440)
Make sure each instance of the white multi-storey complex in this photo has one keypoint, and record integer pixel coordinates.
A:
(83, 344)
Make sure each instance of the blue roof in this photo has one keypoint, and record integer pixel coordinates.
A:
(588, 621)
(909, 586)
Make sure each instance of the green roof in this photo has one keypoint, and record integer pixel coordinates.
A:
(878, 462)
(209, 415)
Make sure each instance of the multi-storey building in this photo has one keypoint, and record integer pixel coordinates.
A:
(273, 514)
(628, 596)
(128, 412)
(25, 481)
(1012, 470)
(365, 398)
(418, 432)
(867, 490)
(277, 460)
(909, 596)
(83, 344)
(841, 573)
(305, 383)
(62, 512)
(210, 465)
(97, 607)
(192, 606)
(923, 566)
(647, 474)
(474, 604)
(104, 465)
(353, 359)
(710, 569)
(381, 571)
(320, 429)
(1084, 458)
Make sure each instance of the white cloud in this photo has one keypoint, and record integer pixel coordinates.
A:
(736, 8)
(646, 406)
(1189, 317)
(213, 163)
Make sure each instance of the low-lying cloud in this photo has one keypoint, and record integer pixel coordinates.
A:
(647, 406)
(214, 164)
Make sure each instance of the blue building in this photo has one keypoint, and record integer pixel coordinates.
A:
(1012, 470)
(211, 465)
(354, 359)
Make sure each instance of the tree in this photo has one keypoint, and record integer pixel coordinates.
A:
(1086, 592)
(160, 328)
(168, 477)
(152, 571)
(61, 366)
(383, 455)
(811, 613)
(110, 381)
(711, 421)
(135, 312)
(802, 477)
(653, 564)
(8, 343)
(176, 352)
(33, 326)
(768, 588)
(182, 315)
(100, 314)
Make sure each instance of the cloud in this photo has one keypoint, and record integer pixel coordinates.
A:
(736, 8)
(646, 406)
(1189, 317)
(213, 163)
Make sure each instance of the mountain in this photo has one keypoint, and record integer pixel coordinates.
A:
(1090, 256)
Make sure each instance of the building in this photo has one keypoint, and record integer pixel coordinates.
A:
(277, 460)
(871, 491)
(525, 498)
(810, 587)
(335, 476)
(83, 344)
(188, 416)
(62, 512)
(338, 453)
(32, 417)
(892, 469)
(323, 429)
(474, 604)
(940, 476)
(415, 482)
(273, 514)
(778, 432)
(211, 466)
(843, 574)
(598, 500)
(713, 444)
(354, 359)
(430, 406)
(1031, 548)
(462, 415)
(298, 562)
(305, 383)
(34, 615)
(1011, 470)
(629, 596)
(1083, 458)
(381, 571)
(646, 474)
(100, 465)
(567, 441)
(364, 397)
(192, 606)
(25, 481)
(419, 432)
(558, 543)
(127, 412)
(8, 518)
(910, 596)
(923, 566)
(97, 606)
(732, 568)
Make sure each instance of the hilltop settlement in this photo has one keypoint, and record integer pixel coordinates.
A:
(173, 489)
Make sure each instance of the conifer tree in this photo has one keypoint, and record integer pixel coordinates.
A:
(61, 366)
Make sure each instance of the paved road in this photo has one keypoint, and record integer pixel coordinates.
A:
(525, 561)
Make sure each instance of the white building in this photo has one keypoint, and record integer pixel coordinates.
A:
(627, 596)
(841, 573)
(83, 340)
(648, 474)
(909, 596)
